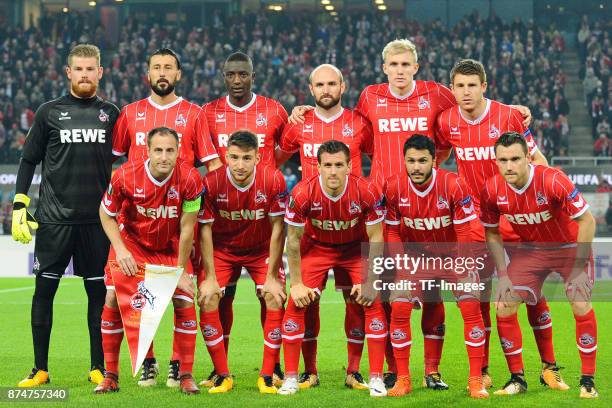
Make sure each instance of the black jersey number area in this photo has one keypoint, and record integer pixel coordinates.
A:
(73, 139)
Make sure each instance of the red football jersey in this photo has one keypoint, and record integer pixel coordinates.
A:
(347, 126)
(428, 215)
(474, 141)
(335, 220)
(396, 118)
(151, 210)
(138, 118)
(263, 116)
(240, 214)
(541, 211)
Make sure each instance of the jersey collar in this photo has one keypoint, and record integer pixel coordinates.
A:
(231, 179)
(330, 119)
(402, 97)
(167, 106)
(241, 108)
(478, 119)
(153, 179)
(339, 196)
(526, 186)
(428, 189)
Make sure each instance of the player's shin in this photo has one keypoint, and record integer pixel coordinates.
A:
(474, 334)
(354, 321)
(185, 332)
(511, 341)
(96, 293)
(586, 341)
(42, 318)
(310, 343)
(212, 331)
(226, 313)
(541, 323)
(112, 335)
(432, 325)
(400, 334)
(293, 334)
(272, 340)
(376, 336)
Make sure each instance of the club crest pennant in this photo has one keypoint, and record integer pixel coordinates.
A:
(143, 299)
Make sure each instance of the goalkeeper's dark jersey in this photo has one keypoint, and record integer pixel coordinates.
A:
(73, 139)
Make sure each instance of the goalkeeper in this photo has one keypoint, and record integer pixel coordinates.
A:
(71, 136)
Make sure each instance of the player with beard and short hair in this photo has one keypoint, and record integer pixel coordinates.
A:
(556, 230)
(329, 120)
(71, 136)
(242, 109)
(164, 108)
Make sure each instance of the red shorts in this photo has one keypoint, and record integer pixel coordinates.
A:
(228, 267)
(317, 260)
(144, 256)
(529, 268)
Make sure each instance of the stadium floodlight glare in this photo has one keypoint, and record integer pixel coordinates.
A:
(92, 3)
(275, 7)
(382, 7)
(325, 2)
(65, 9)
(333, 13)
(329, 7)
(379, 1)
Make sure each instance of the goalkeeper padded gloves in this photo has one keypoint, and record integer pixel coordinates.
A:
(23, 221)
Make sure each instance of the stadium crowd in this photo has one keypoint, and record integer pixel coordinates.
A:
(523, 61)
(595, 51)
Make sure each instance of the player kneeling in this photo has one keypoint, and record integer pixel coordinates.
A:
(329, 216)
(556, 229)
(425, 205)
(242, 213)
(158, 199)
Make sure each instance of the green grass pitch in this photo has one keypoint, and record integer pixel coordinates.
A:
(69, 357)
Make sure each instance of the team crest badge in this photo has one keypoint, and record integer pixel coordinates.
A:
(376, 325)
(172, 193)
(442, 203)
(398, 334)
(541, 198)
(476, 333)
(261, 120)
(493, 132)
(180, 121)
(210, 331)
(506, 344)
(424, 103)
(354, 208)
(586, 340)
(291, 326)
(347, 131)
(103, 116)
(260, 197)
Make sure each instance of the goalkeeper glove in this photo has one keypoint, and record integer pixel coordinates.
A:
(23, 221)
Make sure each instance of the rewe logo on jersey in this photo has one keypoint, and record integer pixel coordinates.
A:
(529, 218)
(83, 135)
(418, 124)
(223, 138)
(163, 211)
(334, 225)
(475, 153)
(429, 223)
(239, 215)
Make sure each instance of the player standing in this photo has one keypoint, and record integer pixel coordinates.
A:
(242, 109)
(242, 227)
(429, 205)
(71, 136)
(556, 229)
(471, 128)
(329, 120)
(164, 108)
(159, 200)
(329, 216)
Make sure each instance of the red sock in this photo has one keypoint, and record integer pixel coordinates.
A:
(376, 335)
(226, 313)
(293, 335)
(312, 325)
(401, 336)
(432, 325)
(150, 353)
(511, 341)
(586, 340)
(212, 330)
(485, 311)
(112, 335)
(389, 356)
(354, 320)
(272, 340)
(185, 334)
(541, 323)
(474, 334)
